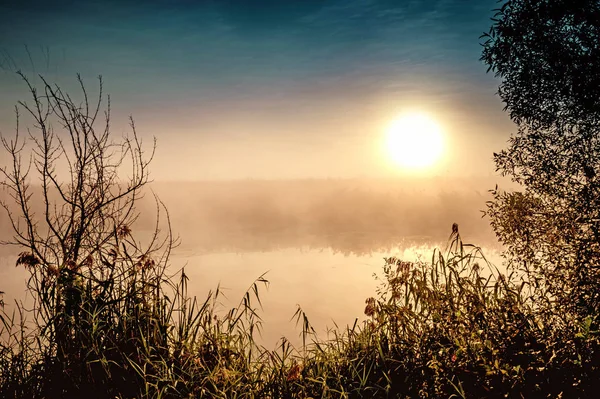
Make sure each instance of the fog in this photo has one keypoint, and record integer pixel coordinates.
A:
(350, 216)
(319, 241)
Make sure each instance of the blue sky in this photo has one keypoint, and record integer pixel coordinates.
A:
(286, 88)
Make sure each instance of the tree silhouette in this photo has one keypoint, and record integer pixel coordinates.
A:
(70, 194)
(547, 56)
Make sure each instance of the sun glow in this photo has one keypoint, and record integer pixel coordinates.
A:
(414, 141)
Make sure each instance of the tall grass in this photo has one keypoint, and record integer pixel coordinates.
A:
(453, 326)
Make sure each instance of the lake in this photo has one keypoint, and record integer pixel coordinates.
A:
(319, 243)
(329, 286)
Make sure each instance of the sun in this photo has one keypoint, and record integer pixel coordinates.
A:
(414, 141)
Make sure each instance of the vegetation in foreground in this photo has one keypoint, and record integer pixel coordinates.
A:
(108, 321)
(449, 328)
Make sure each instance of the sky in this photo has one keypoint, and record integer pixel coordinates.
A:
(237, 89)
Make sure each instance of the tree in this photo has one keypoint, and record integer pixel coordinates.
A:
(72, 212)
(547, 56)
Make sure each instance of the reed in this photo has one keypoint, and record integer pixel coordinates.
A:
(453, 326)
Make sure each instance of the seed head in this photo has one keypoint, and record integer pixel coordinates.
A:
(28, 260)
(371, 307)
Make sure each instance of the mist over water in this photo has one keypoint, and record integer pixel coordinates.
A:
(319, 241)
(351, 216)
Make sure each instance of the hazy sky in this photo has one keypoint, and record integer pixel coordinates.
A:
(268, 88)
